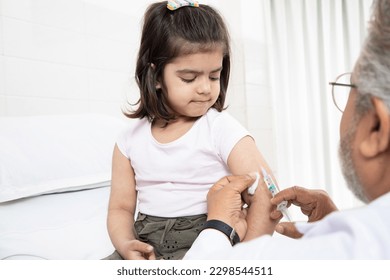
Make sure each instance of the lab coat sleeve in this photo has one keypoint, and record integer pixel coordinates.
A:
(213, 244)
(361, 233)
(210, 244)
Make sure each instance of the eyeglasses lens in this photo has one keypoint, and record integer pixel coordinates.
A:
(341, 91)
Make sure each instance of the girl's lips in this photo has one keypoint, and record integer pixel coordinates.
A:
(200, 101)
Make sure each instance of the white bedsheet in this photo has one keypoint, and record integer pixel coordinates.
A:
(63, 226)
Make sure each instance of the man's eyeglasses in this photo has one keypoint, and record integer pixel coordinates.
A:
(340, 90)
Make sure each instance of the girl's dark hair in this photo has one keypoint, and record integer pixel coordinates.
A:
(166, 35)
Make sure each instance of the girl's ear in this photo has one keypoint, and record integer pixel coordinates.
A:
(158, 85)
(377, 139)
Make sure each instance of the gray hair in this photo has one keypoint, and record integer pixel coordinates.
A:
(372, 69)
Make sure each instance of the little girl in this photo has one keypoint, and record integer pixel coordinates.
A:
(181, 140)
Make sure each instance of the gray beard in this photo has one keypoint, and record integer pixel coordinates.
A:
(347, 165)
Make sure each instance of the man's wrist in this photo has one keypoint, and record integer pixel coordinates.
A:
(224, 228)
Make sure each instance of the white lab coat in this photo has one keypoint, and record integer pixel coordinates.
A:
(360, 233)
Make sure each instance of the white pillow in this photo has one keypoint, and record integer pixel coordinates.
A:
(48, 154)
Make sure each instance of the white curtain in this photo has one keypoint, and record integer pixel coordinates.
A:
(311, 42)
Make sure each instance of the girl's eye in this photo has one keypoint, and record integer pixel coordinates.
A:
(188, 80)
(214, 78)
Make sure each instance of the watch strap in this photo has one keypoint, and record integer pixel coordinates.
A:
(224, 228)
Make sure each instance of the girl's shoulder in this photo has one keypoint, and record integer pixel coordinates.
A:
(135, 131)
(220, 118)
(135, 126)
(213, 115)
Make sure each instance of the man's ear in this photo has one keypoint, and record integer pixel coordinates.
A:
(377, 137)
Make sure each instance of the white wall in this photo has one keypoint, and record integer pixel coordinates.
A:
(64, 56)
(77, 56)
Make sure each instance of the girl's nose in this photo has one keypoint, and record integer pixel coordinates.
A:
(204, 86)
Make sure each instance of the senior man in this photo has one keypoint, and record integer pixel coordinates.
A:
(361, 233)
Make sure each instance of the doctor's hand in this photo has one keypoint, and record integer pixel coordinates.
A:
(259, 210)
(224, 202)
(315, 204)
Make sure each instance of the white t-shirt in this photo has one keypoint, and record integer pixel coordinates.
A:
(173, 179)
(361, 233)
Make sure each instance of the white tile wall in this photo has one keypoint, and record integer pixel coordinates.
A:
(109, 24)
(32, 78)
(61, 14)
(265, 140)
(1, 33)
(2, 88)
(65, 56)
(236, 102)
(29, 106)
(108, 54)
(259, 94)
(38, 42)
(2, 69)
(2, 75)
(108, 107)
(104, 84)
(261, 116)
(3, 112)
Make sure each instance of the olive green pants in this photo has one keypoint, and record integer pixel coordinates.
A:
(170, 237)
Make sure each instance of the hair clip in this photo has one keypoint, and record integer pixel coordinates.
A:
(176, 4)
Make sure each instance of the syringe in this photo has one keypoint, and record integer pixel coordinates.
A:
(282, 207)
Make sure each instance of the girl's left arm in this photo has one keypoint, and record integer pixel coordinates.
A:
(246, 158)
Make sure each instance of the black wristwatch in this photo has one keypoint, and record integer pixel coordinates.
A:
(224, 228)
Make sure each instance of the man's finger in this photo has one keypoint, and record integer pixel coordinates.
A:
(276, 215)
(288, 194)
(239, 182)
(288, 229)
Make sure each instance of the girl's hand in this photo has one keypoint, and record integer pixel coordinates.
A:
(137, 250)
